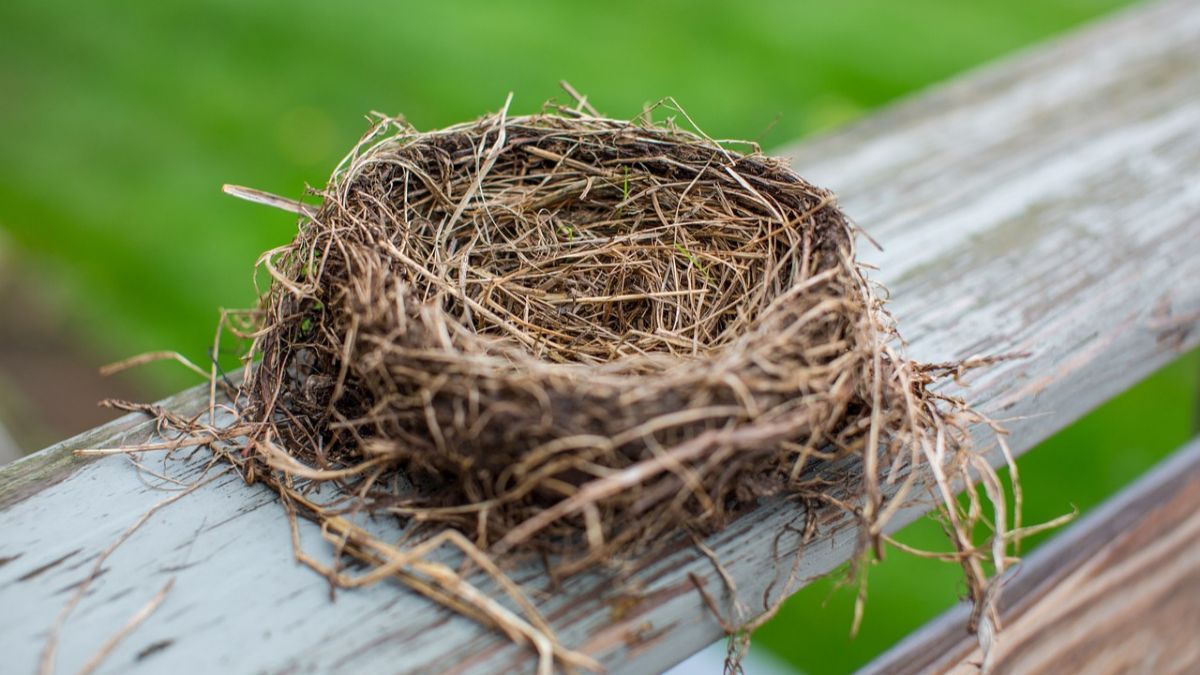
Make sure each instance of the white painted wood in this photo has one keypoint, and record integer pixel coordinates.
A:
(711, 660)
(1049, 204)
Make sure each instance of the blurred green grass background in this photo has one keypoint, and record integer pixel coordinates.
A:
(122, 119)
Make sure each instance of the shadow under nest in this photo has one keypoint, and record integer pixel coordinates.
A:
(572, 338)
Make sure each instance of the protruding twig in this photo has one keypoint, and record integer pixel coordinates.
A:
(134, 621)
(150, 357)
(580, 100)
(268, 199)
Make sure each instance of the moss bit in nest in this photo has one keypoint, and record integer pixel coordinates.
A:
(578, 337)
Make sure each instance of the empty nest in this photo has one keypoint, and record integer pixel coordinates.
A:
(573, 337)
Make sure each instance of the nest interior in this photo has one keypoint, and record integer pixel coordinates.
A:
(577, 336)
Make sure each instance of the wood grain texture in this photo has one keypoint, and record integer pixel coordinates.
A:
(1050, 204)
(1118, 592)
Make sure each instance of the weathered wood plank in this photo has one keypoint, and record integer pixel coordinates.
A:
(1050, 204)
(1117, 592)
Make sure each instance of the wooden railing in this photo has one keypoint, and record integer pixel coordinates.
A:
(1117, 592)
(1049, 204)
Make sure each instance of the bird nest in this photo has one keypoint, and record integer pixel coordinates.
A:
(575, 337)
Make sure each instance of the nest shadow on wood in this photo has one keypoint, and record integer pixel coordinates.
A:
(574, 337)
